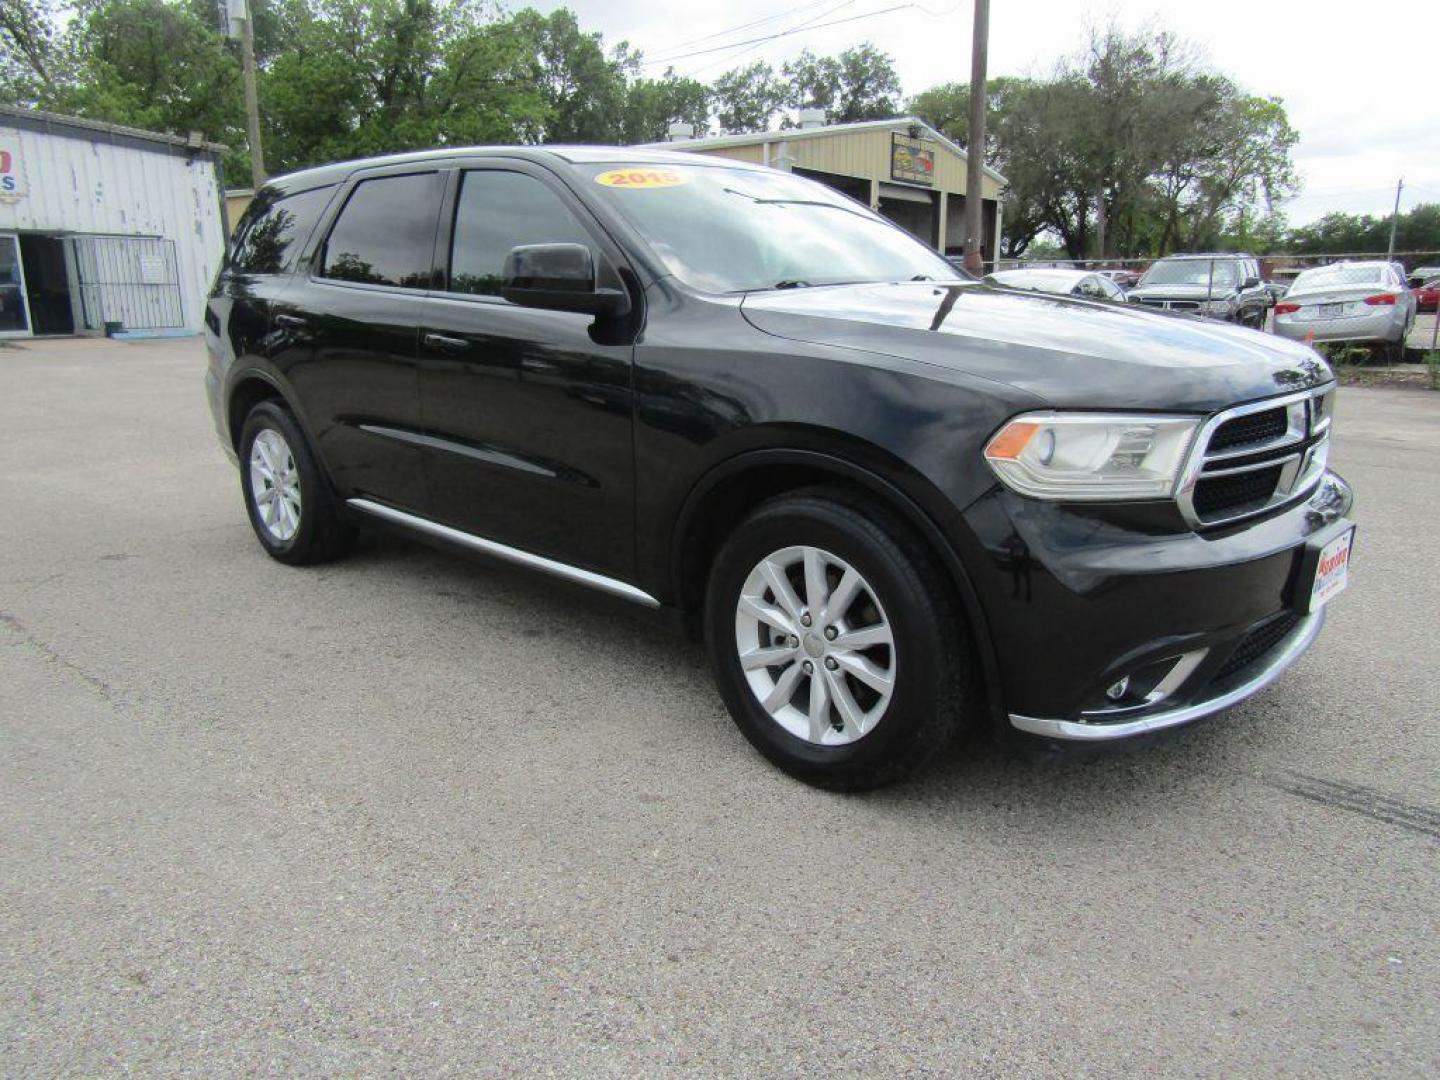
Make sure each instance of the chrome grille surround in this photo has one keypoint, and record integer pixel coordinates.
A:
(1170, 305)
(1300, 454)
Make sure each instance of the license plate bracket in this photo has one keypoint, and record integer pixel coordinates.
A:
(1330, 311)
(1324, 568)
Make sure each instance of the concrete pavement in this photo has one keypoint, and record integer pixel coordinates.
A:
(413, 814)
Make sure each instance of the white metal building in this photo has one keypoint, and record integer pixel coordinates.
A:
(105, 228)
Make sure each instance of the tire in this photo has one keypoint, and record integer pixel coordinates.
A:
(862, 735)
(302, 525)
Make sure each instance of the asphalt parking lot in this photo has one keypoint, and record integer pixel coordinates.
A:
(413, 814)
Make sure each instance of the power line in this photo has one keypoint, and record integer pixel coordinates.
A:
(808, 24)
(734, 30)
(781, 34)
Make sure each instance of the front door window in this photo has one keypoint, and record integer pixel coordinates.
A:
(14, 315)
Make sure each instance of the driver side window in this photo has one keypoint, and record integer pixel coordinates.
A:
(499, 210)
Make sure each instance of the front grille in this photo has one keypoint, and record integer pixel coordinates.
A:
(1257, 643)
(1254, 458)
(1171, 305)
(1258, 427)
(1236, 493)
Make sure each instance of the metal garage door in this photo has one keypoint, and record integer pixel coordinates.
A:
(130, 280)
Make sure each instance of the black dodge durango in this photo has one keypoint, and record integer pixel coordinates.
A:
(895, 501)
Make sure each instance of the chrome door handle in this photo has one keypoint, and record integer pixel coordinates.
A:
(445, 343)
(289, 320)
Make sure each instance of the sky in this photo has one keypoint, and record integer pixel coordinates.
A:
(1357, 80)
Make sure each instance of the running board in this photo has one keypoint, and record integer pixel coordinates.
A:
(502, 551)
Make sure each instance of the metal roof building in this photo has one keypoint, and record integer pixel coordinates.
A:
(903, 168)
(104, 227)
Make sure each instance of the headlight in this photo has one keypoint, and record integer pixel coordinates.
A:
(1091, 456)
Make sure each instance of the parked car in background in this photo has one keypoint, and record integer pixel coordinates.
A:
(1126, 279)
(1365, 303)
(1088, 283)
(1217, 286)
(1276, 290)
(1422, 274)
(1427, 296)
(893, 501)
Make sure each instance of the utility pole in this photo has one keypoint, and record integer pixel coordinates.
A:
(239, 12)
(1394, 217)
(975, 148)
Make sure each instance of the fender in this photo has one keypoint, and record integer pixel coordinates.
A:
(895, 498)
(255, 369)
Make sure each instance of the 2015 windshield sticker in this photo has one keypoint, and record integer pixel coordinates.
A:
(641, 178)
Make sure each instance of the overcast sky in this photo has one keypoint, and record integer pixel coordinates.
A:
(1358, 80)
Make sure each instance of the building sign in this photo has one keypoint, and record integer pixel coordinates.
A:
(911, 160)
(12, 176)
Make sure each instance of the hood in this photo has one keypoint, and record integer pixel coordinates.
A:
(1182, 292)
(1067, 352)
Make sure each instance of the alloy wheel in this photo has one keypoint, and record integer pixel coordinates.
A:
(275, 485)
(816, 645)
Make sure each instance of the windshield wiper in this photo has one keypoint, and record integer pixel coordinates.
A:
(791, 283)
(797, 202)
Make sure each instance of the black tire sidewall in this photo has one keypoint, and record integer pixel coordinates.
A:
(910, 718)
(314, 496)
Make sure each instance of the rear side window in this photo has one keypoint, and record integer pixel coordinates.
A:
(275, 231)
(385, 235)
(497, 211)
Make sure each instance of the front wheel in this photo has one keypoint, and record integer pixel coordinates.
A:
(835, 641)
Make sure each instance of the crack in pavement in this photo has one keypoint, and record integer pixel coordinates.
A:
(1362, 800)
(100, 686)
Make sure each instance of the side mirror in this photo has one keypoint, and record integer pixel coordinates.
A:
(1251, 282)
(559, 277)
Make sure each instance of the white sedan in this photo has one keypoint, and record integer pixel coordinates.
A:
(1366, 303)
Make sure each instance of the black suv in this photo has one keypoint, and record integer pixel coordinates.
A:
(895, 501)
(1226, 287)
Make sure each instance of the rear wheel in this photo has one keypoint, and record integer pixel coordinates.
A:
(835, 642)
(291, 508)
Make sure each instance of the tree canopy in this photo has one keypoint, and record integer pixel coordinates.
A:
(1129, 147)
(345, 78)
(1131, 137)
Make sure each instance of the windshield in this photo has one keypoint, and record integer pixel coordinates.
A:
(733, 230)
(1323, 276)
(1191, 272)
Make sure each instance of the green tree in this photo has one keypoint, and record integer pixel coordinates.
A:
(1418, 229)
(652, 105)
(748, 98)
(29, 61)
(1128, 148)
(859, 84)
(583, 87)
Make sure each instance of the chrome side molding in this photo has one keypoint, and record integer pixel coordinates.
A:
(497, 550)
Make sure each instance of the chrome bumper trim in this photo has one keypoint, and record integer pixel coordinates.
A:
(1275, 664)
(504, 551)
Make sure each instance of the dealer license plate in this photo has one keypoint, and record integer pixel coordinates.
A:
(1332, 570)
(1330, 311)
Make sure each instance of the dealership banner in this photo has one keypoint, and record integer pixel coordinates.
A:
(12, 173)
(911, 160)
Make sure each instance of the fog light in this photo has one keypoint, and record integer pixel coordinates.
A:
(1118, 690)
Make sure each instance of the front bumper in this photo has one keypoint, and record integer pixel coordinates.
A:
(1078, 600)
(1220, 695)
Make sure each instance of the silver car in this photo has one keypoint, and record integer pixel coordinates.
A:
(1063, 281)
(1366, 303)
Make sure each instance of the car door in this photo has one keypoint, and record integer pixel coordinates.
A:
(347, 328)
(528, 412)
